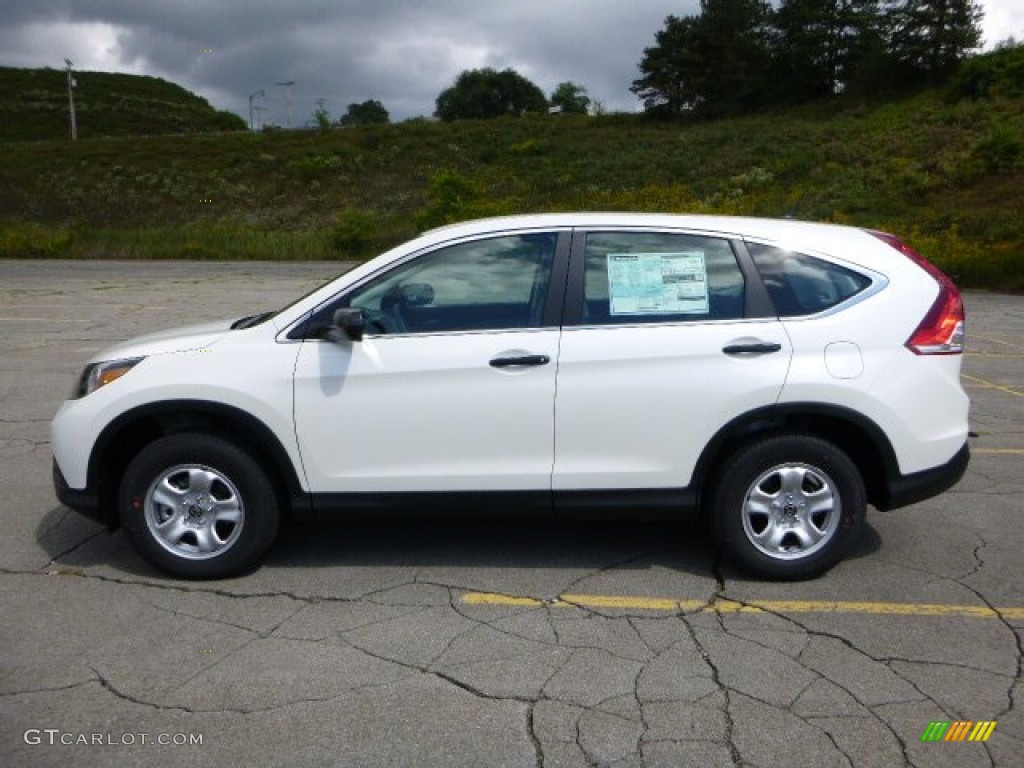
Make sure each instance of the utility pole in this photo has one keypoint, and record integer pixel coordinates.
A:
(253, 95)
(71, 101)
(288, 98)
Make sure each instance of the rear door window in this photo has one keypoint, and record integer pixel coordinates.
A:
(799, 284)
(651, 277)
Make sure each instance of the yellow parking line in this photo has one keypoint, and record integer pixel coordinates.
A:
(490, 598)
(997, 450)
(997, 341)
(646, 603)
(989, 384)
(750, 606)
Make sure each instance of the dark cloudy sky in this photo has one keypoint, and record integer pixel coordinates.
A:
(402, 52)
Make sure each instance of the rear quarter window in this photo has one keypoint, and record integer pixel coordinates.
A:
(799, 284)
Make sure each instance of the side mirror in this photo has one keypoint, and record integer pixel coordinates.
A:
(347, 324)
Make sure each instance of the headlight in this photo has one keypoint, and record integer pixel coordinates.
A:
(98, 374)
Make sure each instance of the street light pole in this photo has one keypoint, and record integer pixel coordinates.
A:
(71, 101)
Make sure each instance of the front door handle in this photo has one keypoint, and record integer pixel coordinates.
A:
(752, 348)
(509, 362)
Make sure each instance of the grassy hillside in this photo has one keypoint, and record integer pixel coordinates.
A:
(948, 177)
(34, 106)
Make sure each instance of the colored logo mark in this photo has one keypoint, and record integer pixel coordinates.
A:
(960, 730)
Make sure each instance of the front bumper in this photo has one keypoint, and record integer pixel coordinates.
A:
(85, 501)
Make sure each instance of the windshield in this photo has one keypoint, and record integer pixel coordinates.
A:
(249, 321)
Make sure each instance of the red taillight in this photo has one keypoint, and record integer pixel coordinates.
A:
(941, 332)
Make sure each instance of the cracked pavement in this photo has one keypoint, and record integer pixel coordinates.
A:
(356, 645)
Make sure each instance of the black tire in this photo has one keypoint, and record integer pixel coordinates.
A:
(788, 507)
(198, 506)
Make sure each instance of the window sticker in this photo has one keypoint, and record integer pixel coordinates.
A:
(658, 283)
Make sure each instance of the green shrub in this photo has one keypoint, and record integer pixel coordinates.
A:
(453, 197)
(355, 233)
(1001, 150)
(29, 240)
(529, 147)
(970, 262)
(994, 74)
(317, 164)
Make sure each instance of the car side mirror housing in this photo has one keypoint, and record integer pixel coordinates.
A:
(347, 324)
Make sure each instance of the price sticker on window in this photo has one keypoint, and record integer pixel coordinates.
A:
(658, 283)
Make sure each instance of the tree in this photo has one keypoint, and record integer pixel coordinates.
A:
(484, 93)
(822, 47)
(671, 82)
(572, 98)
(931, 37)
(370, 112)
(322, 117)
(735, 37)
(714, 64)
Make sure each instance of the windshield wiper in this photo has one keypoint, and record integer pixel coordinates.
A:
(251, 320)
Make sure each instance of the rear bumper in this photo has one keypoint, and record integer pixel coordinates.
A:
(910, 489)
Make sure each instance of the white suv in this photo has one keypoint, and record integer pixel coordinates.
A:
(775, 376)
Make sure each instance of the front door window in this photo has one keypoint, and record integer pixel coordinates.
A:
(483, 285)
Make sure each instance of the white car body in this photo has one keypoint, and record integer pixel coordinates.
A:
(634, 408)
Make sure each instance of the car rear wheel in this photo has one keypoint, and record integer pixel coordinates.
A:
(788, 506)
(198, 506)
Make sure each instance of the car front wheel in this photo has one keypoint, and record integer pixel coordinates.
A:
(788, 506)
(198, 506)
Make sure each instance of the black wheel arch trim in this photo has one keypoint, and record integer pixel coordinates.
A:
(267, 443)
(890, 491)
(787, 417)
(910, 489)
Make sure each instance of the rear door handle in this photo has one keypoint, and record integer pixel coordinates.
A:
(509, 362)
(753, 348)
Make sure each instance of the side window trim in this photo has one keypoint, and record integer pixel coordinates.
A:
(554, 307)
(573, 314)
(757, 303)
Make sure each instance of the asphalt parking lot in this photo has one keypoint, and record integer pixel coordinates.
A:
(488, 644)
